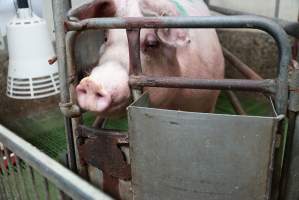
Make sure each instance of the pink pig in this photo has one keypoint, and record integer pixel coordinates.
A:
(194, 53)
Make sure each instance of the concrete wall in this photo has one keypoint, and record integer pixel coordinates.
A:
(288, 8)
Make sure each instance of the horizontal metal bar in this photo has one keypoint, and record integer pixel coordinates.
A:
(64, 179)
(292, 28)
(266, 86)
(237, 21)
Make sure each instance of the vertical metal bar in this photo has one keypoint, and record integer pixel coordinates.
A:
(60, 8)
(12, 173)
(30, 185)
(73, 73)
(134, 51)
(290, 171)
(3, 190)
(21, 178)
(5, 176)
(47, 189)
(277, 8)
(207, 2)
(35, 187)
(134, 54)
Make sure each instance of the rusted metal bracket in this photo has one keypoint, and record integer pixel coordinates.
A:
(102, 149)
(70, 110)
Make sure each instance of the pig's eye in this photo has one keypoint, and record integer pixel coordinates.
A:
(151, 41)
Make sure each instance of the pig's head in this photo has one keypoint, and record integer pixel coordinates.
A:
(106, 90)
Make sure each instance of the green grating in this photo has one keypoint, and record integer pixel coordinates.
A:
(46, 130)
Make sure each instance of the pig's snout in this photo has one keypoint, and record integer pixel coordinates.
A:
(92, 96)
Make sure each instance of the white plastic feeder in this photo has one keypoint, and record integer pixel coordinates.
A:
(30, 76)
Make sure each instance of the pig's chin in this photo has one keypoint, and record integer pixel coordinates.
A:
(114, 110)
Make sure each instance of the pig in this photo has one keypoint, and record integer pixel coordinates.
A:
(192, 53)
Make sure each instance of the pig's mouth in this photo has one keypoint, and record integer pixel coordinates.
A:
(101, 104)
(94, 98)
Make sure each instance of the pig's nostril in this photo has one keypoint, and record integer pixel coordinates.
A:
(99, 95)
(82, 91)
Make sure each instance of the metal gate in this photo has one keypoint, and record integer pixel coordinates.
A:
(27, 173)
(147, 169)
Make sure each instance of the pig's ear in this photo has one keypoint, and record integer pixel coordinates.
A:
(94, 9)
(174, 37)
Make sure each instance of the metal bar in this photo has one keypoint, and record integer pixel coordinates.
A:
(29, 182)
(292, 28)
(5, 175)
(2, 190)
(73, 75)
(60, 8)
(21, 178)
(207, 2)
(64, 179)
(34, 184)
(267, 86)
(134, 50)
(277, 8)
(236, 103)
(11, 169)
(291, 143)
(290, 173)
(252, 22)
(134, 55)
(47, 189)
(240, 66)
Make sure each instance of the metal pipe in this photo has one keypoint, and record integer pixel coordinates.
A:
(267, 86)
(134, 55)
(290, 173)
(236, 103)
(240, 66)
(289, 184)
(292, 28)
(252, 22)
(60, 8)
(134, 50)
(277, 8)
(64, 179)
(73, 75)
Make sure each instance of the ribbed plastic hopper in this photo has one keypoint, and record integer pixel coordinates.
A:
(30, 76)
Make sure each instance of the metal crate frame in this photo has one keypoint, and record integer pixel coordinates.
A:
(279, 86)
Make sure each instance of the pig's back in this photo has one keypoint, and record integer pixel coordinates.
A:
(191, 7)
